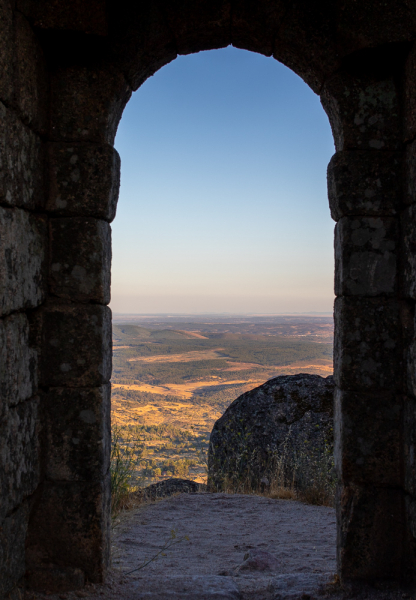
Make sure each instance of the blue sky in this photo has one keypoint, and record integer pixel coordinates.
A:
(223, 202)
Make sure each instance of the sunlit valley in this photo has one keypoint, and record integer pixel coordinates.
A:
(173, 377)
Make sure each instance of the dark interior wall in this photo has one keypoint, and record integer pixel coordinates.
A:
(67, 71)
(23, 250)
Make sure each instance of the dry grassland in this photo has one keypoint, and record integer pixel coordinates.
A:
(181, 415)
(184, 390)
(183, 357)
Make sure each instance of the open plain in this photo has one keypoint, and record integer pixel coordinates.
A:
(183, 373)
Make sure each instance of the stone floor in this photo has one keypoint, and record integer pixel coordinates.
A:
(224, 547)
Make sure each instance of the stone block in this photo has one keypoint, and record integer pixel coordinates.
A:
(142, 41)
(409, 195)
(366, 344)
(76, 345)
(410, 96)
(199, 26)
(371, 24)
(370, 533)
(18, 362)
(22, 267)
(409, 438)
(408, 332)
(21, 163)
(76, 15)
(364, 184)
(80, 259)
(77, 432)
(87, 104)
(310, 26)
(69, 529)
(364, 113)
(368, 438)
(408, 231)
(31, 76)
(366, 256)
(55, 579)
(13, 532)
(84, 180)
(411, 515)
(254, 25)
(19, 459)
(7, 59)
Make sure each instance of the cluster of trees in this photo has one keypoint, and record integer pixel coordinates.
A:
(172, 468)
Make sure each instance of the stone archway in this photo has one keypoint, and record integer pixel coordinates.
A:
(67, 73)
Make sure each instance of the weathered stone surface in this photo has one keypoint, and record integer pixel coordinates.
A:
(18, 362)
(409, 437)
(84, 180)
(259, 560)
(410, 96)
(7, 61)
(366, 344)
(76, 345)
(254, 26)
(169, 487)
(368, 438)
(366, 256)
(19, 460)
(203, 587)
(69, 530)
(364, 183)
(370, 533)
(55, 579)
(23, 241)
(358, 28)
(199, 26)
(21, 167)
(77, 433)
(408, 271)
(87, 104)
(32, 82)
(12, 549)
(142, 41)
(364, 114)
(80, 259)
(87, 17)
(409, 183)
(408, 331)
(290, 410)
(311, 26)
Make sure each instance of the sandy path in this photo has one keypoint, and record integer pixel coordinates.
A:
(222, 529)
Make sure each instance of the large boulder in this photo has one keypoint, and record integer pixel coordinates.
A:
(170, 487)
(279, 430)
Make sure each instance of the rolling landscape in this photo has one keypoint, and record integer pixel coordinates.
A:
(173, 377)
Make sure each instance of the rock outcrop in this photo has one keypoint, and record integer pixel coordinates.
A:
(267, 432)
(169, 487)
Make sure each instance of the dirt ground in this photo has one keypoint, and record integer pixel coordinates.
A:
(227, 547)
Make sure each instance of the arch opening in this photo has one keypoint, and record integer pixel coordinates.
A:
(61, 111)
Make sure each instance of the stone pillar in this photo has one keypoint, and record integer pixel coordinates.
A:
(365, 197)
(408, 291)
(23, 250)
(68, 540)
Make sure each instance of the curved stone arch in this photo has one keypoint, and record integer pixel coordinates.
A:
(91, 58)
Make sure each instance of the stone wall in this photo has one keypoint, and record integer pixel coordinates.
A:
(67, 70)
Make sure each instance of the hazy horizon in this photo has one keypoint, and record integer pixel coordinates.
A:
(223, 202)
